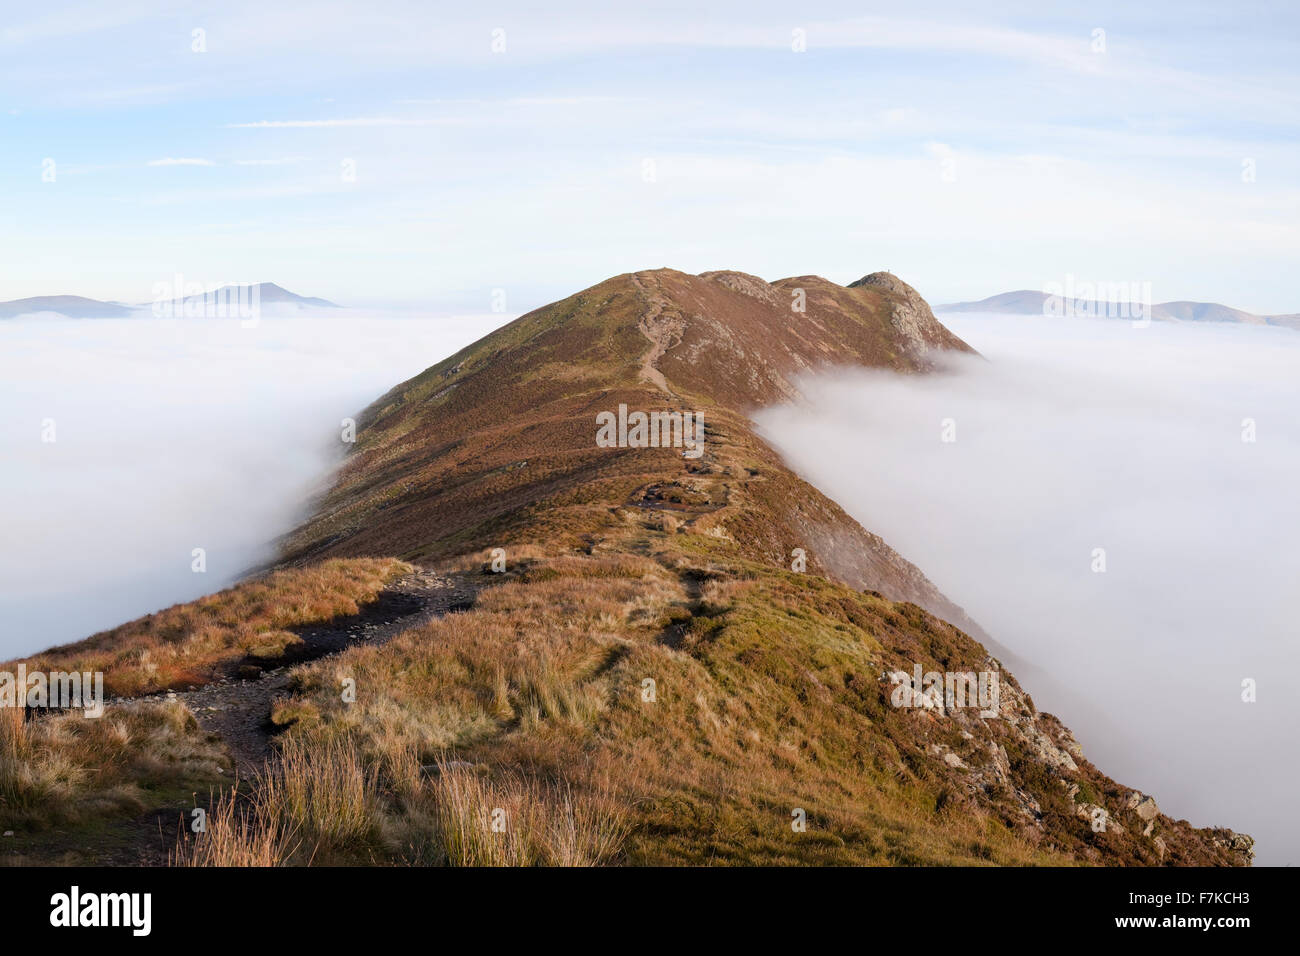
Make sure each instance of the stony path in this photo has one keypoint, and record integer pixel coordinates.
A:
(240, 710)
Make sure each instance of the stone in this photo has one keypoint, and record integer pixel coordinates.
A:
(1144, 806)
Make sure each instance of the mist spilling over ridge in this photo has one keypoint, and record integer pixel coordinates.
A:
(1174, 449)
(523, 590)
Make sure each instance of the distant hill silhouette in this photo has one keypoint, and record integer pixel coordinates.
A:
(71, 306)
(1029, 302)
(79, 307)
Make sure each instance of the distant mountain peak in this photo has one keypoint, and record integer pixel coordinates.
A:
(1031, 302)
(885, 280)
(268, 292)
(71, 306)
(80, 307)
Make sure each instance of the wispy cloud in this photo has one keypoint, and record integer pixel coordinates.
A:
(514, 101)
(1130, 159)
(349, 121)
(180, 161)
(280, 161)
(81, 19)
(1072, 52)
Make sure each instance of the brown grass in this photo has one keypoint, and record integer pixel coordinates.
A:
(238, 833)
(319, 803)
(67, 768)
(522, 821)
(673, 575)
(310, 803)
(324, 793)
(188, 644)
(538, 692)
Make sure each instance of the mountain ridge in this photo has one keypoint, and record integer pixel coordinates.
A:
(677, 657)
(69, 306)
(744, 365)
(420, 485)
(1030, 302)
(80, 307)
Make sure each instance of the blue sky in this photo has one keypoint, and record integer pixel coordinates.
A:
(968, 150)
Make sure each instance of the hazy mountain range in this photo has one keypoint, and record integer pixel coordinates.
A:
(1029, 302)
(69, 306)
(79, 307)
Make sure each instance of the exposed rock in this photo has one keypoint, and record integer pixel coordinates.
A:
(905, 695)
(1238, 844)
(1070, 745)
(1144, 806)
(744, 282)
(1094, 811)
(910, 315)
(1047, 750)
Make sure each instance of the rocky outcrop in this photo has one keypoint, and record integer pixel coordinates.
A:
(1028, 762)
(746, 284)
(1238, 844)
(910, 315)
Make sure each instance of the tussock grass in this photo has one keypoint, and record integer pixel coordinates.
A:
(239, 833)
(531, 655)
(186, 644)
(765, 699)
(521, 821)
(312, 802)
(323, 792)
(318, 803)
(67, 768)
(654, 706)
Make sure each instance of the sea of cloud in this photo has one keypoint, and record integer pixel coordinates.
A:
(172, 435)
(1070, 435)
(1073, 435)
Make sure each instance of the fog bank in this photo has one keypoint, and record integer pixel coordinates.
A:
(1073, 435)
(171, 435)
